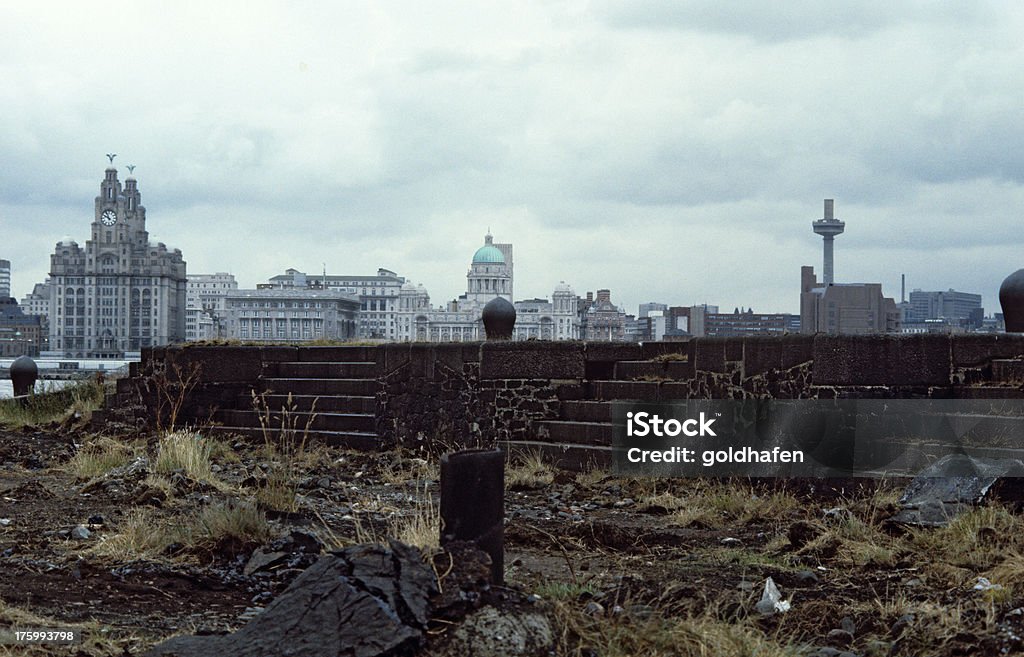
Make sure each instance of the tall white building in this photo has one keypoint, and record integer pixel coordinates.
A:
(204, 310)
(121, 292)
(5, 279)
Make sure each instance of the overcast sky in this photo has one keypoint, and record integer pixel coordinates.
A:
(669, 151)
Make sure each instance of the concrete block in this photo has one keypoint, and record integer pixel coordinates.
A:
(881, 360)
(611, 351)
(532, 360)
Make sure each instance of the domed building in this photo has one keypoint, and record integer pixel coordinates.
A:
(490, 275)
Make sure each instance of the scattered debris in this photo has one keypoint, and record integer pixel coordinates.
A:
(985, 585)
(950, 486)
(771, 601)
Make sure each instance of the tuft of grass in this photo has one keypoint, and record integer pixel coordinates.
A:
(668, 358)
(528, 470)
(592, 477)
(403, 470)
(184, 451)
(97, 458)
(140, 535)
(231, 526)
(721, 504)
(421, 527)
(659, 633)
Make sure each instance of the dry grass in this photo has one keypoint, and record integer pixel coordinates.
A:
(285, 437)
(528, 470)
(592, 477)
(422, 526)
(230, 525)
(668, 358)
(96, 641)
(660, 635)
(403, 470)
(140, 535)
(187, 452)
(101, 455)
(718, 504)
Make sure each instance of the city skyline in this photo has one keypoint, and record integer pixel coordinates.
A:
(668, 153)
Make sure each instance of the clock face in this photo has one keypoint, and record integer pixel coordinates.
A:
(109, 217)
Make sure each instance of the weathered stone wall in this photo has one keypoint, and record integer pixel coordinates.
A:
(476, 393)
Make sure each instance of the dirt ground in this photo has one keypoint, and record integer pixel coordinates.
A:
(604, 555)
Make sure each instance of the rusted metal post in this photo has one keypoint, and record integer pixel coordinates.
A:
(473, 503)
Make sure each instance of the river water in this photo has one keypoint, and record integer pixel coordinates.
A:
(7, 388)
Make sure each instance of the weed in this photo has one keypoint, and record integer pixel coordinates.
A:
(184, 451)
(528, 470)
(287, 450)
(140, 536)
(230, 526)
(97, 458)
(171, 383)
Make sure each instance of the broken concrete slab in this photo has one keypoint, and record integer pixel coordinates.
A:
(363, 601)
(950, 486)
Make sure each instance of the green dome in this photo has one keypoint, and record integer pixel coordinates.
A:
(488, 253)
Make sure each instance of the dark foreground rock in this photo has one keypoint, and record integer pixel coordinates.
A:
(364, 601)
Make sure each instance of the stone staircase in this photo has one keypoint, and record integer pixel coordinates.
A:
(582, 434)
(333, 399)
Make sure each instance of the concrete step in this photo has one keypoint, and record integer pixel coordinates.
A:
(349, 439)
(324, 403)
(322, 387)
(303, 370)
(587, 411)
(562, 431)
(299, 420)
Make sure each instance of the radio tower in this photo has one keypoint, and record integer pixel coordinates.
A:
(828, 228)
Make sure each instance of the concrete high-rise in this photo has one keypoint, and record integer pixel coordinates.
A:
(828, 228)
(121, 292)
(5, 279)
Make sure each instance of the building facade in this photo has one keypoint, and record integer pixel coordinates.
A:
(490, 275)
(290, 315)
(957, 308)
(204, 305)
(601, 319)
(21, 334)
(378, 297)
(5, 278)
(121, 292)
(846, 308)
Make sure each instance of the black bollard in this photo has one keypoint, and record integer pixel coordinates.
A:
(473, 503)
(1011, 298)
(499, 319)
(24, 373)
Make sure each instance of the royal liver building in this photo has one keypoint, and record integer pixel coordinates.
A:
(121, 292)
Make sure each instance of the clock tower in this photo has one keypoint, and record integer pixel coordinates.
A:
(121, 292)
